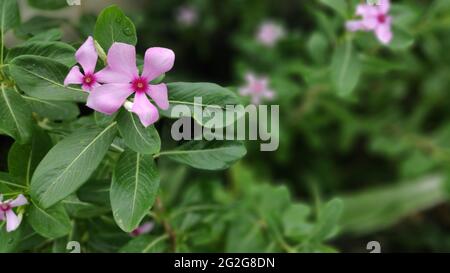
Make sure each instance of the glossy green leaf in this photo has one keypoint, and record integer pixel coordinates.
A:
(136, 136)
(50, 223)
(212, 95)
(57, 51)
(114, 26)
(345, 69)
(69, 164)
(50, 35)
(133, 190)
(9, 241)
(15, 115)
(37, 25)
(43, 78)
(208, 155)
(24, 158)
(53, 110)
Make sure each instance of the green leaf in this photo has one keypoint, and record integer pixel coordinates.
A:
(295, 222)
(9, 18)
(114, 26)
(133, 189)
(212, 95)
(53, 110)
(24, 158)
(146, 244)
(69, 164)
(43, 78)
(48, 4)
(37, 25)
(50, 35)
(80, 209)
(208, 155)
(340, 6)
(57, 51)
(136, 136)
(7, 182)
(15, 115)
(328, 218)
(9, 241)
(51, 223)
(345, 69)
(401, 39)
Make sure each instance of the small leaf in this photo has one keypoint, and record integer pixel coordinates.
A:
(43, 78)
(69, 164)
(15, 115)
(208, 155)
(345, 69)
(136, 136)
(146, 244)
(133, 189)
(113, 26)
(51, 223)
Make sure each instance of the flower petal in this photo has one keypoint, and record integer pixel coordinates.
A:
(108, 98)
(157, 61)
(108, 75)
(384, 33)
(122, 60)
(354, 25)
(158, 93)
(384, 6)
(12, 221)
(147, 112)
(365, 10)
(74, 76)
(87, 56)
(2, 216)
(19, 201)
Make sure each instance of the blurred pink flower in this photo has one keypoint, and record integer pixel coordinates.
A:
(269, 33)
(187, 16)
(374, 18)
(6, 213)
(257, 88)
(143, 229)
(122, 79)
(87, 57)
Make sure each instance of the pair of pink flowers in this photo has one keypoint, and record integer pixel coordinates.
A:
(374, 18)
(110, 87)
(7, 214)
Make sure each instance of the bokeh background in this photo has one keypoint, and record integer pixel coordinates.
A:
(369, 166)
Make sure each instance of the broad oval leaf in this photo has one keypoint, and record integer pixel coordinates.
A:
(114, 26)
(213, 96)
(69, 164)
(208, 155)
(15, 115)
(51, 223)
(24, 158)
(53, 110)
(345, 69)
(57, 51)
(136, 136)
(43, 78)
(133, 189)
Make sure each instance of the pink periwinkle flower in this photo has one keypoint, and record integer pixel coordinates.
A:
(6, 212)
(187, 16)
(270, 33)
(143, 229)
(122, 79)
(87, 57)
(374, 18)
(257, 88)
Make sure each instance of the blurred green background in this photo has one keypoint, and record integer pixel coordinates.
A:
(370, 165)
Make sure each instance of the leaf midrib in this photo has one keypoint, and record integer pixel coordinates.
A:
(8, 104)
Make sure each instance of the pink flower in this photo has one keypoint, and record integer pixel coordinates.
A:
(122, 79)
(6, 213)
(87, 57)
(187, 16)
(143, 229)
(269, 33)
(257, 88)
(374, 18)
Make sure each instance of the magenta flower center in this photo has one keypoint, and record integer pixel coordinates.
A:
(139, 84)
(381, 18)
(258, 87)
(89, 79)
(5, 207)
